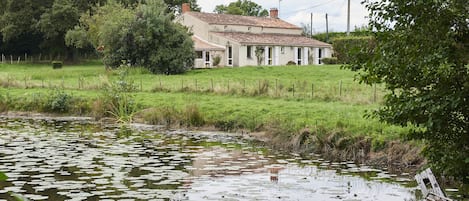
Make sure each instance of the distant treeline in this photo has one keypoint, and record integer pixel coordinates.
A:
(39, 27)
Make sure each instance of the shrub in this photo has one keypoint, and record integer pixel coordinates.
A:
(56, 64)
(58, 101)
(329, 60)
(216, 60)
(345, 48)
(193, 116)
(291, 63)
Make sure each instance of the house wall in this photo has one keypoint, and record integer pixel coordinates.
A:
(196, 26)
(243, 59)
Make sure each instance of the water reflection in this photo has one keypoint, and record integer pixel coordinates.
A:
(60, 160)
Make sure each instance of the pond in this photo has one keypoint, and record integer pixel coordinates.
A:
(75, 159)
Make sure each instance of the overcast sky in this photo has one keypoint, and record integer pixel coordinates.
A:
(299, 11)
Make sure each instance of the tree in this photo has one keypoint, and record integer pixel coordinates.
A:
(242, 7)
(175, 5)
(422, 55)
(55, 22)
(143, 36)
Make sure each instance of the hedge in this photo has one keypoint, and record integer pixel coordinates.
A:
(347, 48)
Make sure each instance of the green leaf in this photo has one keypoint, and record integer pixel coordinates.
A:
(3, 176)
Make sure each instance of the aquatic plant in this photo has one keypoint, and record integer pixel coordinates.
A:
(117, 98)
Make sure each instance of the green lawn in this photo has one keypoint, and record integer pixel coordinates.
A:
(234, 97)
(327, 83)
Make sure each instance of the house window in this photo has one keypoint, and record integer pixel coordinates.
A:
(282, 50)
(270, 55)
(198, 55)
(207, 59)
(319, 55)
(249, 52)
(230, 56)
(299, 56)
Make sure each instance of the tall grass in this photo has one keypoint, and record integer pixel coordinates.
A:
(326, 83)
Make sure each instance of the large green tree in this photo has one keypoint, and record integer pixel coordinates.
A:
(242, 7)
(422, 55)
(143, 36)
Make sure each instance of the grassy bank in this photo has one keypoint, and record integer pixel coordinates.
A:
(314, 108)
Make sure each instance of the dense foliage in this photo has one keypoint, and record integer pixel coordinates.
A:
(144, 36)
(349, 47)
(39, 27)
(422, 55)
(242, 7)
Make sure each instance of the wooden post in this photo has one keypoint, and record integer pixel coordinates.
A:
(211, 82)
(276, 87)
(25, 57)
(159, 77)
(293, 90)
(11, 59)
(259, 87)
(340, 88)
(312, 90)
(374, 94)
(244, 85)
(19, 59)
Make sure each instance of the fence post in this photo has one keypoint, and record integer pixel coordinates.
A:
(211, 82)
(259, 87)
(374, 93)
(276, 87)
(293, 90)
(244, 85)
(340, 88)
(19, 59)
(25, 57)
(159, 77)
(312, 90)
(141, 85)
(11, 59)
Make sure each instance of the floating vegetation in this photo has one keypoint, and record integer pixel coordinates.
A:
(45, 159)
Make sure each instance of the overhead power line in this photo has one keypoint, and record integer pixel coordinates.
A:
(308, 8)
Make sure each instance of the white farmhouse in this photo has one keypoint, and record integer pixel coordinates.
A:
(236, 40)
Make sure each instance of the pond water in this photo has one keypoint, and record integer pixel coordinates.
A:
(48, 159)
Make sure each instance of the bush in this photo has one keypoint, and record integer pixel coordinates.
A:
(291, 63)
(216, 60)
(329, 60)
(58, 101)
(346, 48)
(57, 64)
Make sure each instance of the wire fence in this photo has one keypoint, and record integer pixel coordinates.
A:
(299, 89)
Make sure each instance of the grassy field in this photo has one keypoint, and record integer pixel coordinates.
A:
(252, 98)
(327, 83)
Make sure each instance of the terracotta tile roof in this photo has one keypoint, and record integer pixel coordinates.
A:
(200, 45)
(224, 19)
(272, 39)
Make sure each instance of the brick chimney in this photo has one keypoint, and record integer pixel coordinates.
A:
(186, 7)
(274, 13)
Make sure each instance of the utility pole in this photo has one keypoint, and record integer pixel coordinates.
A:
(348, 18)
(311, 25)
(327, 29)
